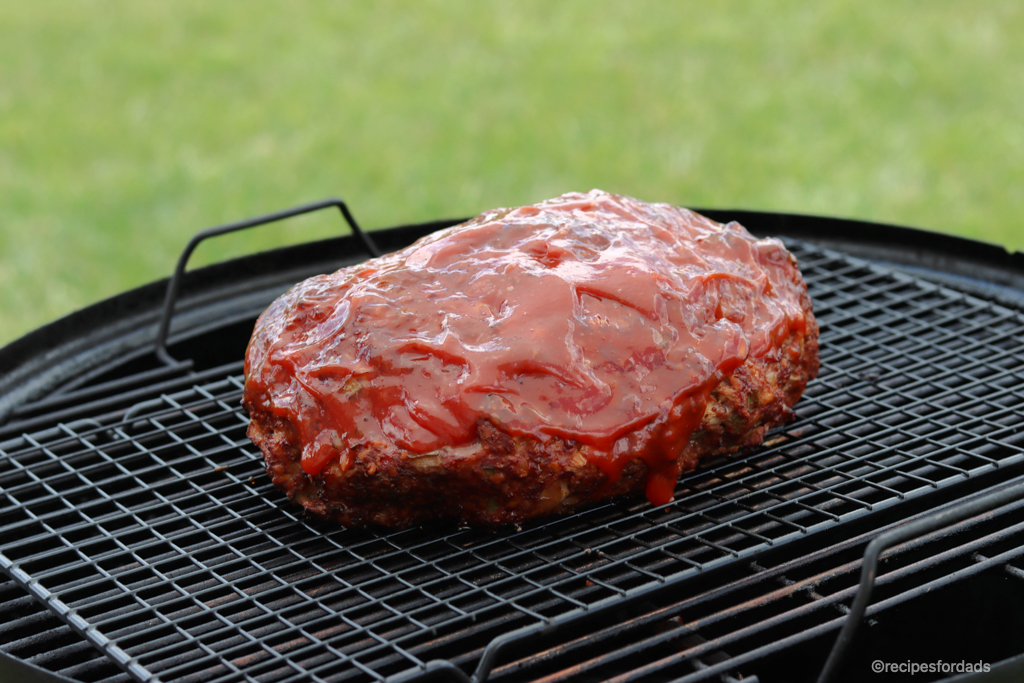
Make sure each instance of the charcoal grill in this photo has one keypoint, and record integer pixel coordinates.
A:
(141, 539)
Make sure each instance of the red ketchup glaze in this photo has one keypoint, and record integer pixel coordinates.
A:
(590, 317)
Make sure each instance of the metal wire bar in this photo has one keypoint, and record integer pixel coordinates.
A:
(676, 610)
(179, 272)
(750, 627)
(889, 539)
(132, 398)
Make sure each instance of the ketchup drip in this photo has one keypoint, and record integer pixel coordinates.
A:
(590, 317)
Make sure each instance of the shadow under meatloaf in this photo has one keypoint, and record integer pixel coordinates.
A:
(504, 479)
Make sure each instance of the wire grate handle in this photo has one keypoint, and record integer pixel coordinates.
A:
(869, 568)
(179, 272)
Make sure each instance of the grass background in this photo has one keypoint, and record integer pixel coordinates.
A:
(127, 126)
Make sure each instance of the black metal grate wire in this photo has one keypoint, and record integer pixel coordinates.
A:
(155, 534)
(769, 609)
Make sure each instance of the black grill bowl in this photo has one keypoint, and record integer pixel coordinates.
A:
(141, 539)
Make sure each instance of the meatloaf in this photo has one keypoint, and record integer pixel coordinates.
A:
(528, 362)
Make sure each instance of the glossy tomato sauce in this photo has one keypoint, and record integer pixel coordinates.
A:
(589, 317)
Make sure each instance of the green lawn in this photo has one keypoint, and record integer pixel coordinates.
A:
(127, 126)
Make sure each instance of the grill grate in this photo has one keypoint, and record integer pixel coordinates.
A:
(154, 533)
(766, 611)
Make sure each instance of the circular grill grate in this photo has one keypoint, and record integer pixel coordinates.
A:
(155, 534)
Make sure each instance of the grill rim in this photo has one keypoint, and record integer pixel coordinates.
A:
(40, 346)
(12, 668)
